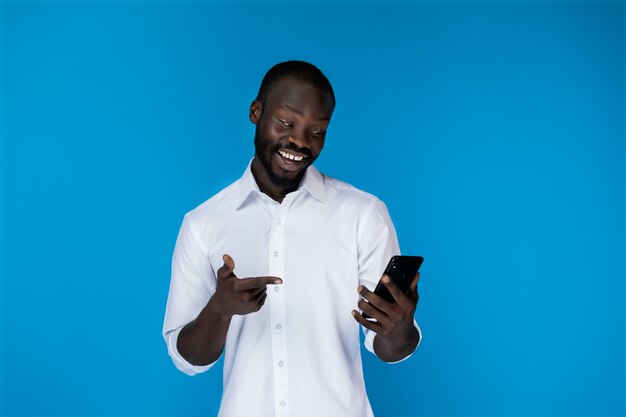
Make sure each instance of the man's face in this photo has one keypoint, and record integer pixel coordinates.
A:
(290, 129)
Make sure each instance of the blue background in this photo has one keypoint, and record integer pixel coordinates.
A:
(493, 131)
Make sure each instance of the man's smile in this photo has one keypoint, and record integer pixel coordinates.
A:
(291, 161)
(291, 156)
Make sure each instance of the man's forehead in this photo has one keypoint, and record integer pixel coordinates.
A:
(288, 92)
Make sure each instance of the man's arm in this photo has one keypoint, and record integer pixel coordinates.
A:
(377, 242)
(201, 341)
(396, 335)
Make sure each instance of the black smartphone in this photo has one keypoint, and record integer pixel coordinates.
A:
(401, 269)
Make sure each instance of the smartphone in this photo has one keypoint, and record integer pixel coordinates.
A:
(401, 269)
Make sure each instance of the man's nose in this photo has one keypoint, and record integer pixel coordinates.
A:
(299, 139)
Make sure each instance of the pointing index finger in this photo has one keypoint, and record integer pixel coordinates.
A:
(245, 284)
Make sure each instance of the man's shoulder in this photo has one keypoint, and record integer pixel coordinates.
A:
(357, 204)
(345, 193)
(220, 204)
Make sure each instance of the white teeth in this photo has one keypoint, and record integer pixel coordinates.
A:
(290, 156)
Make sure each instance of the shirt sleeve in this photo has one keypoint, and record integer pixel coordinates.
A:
(192, 285)
(377, 243)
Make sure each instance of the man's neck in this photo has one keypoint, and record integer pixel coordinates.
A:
(276, 192)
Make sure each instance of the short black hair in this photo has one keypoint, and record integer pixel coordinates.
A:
(295, 70)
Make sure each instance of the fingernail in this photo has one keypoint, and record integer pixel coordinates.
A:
(386, 279)
(353, 313)
(359, 288)
(278, 281)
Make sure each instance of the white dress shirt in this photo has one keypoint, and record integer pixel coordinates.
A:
(299, 355)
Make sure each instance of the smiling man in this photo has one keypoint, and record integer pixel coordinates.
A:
(272, 271)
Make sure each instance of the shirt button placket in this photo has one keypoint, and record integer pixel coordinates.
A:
(278, 315)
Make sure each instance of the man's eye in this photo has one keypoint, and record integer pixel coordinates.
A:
(316, 132)
(285, 123)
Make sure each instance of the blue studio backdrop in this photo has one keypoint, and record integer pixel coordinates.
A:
(494, 132)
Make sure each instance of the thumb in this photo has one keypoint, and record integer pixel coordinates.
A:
(413, 286)
(229, 264)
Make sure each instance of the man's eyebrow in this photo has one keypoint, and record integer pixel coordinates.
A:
(292, 109)
(299, 113)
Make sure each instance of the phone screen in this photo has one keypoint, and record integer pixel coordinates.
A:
(401, 269)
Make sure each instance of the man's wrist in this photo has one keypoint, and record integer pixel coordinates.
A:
(392, 348)
(214, 308)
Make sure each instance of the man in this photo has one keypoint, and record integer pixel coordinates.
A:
(269, 271)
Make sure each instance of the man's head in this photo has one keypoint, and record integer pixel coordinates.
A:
(295, 70)
(291, 113)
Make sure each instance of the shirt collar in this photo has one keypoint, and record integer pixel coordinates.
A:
(313, 182)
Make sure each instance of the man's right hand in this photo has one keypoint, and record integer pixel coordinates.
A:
(238, 295)
(202, 340)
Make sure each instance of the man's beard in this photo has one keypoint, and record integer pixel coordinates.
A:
(264, 155)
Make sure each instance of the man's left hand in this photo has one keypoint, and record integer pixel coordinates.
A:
(393, 322)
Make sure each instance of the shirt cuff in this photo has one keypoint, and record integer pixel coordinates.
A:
(369, 341)
(180, 362)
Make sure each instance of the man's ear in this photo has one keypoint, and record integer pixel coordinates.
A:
(255, 112)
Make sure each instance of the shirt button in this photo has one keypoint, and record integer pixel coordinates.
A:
(276, 288)
(281, 364)
(278, 326)
(277, 222)
(276, 254)
(282, 403)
